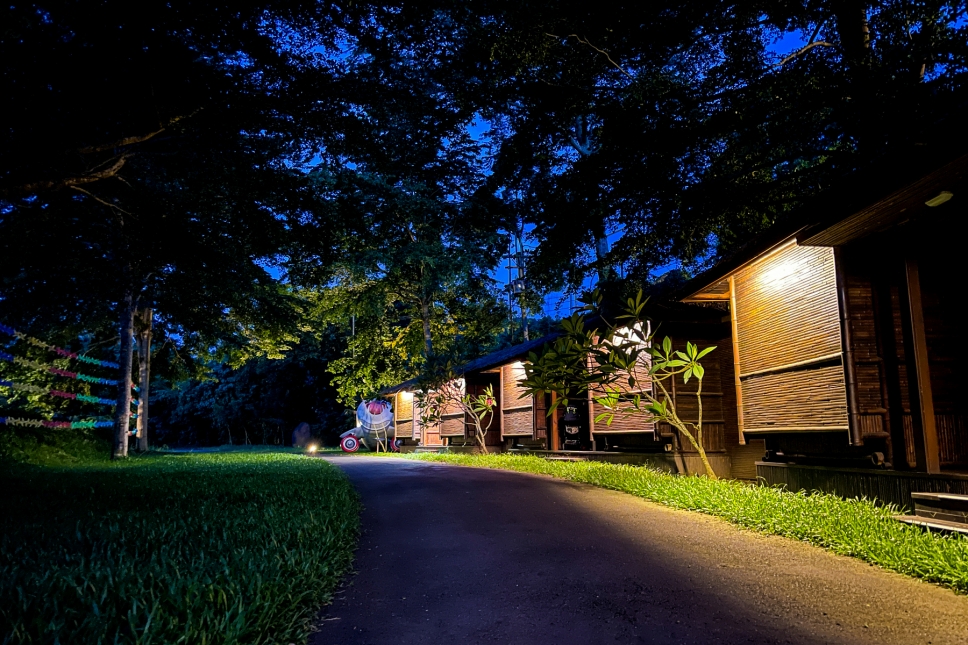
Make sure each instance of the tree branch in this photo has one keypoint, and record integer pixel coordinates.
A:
(99, 200)
(584, 41)
(71, 182)
(129, 141)
(803, 50)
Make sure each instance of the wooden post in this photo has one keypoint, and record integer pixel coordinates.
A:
(847, 347)
(553, 439)
(926, 445)
(736, 382)
(144, 363)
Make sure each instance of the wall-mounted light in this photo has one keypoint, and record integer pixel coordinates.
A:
(939, 199)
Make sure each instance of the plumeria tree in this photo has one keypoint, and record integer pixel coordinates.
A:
(623, 368)
(446, 394)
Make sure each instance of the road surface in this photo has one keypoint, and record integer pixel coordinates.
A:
(456, 555)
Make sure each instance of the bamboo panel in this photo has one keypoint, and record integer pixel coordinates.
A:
(517, 409)
(909, 454)
(868, 362)
(869, 389)
(452, 425)
(622, 424)
(808, 398)
(452, 420)
(403, 415)
(713, 438)
(510, 390)
(952, 439)
(404, 430)
(787, 308)
(871, 424)
(519, 423)
(541, 418)
(417, 427)
(895, 344)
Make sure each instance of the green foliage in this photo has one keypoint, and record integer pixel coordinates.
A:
(853, 527)
(221, 548)
(260, 401)
(442, 391)
(621, 366)
(54, 446)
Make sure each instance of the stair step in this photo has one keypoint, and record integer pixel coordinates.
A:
(937, 525)
(944, 507)
(941, 497)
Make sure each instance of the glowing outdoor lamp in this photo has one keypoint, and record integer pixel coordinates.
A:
(311, 448)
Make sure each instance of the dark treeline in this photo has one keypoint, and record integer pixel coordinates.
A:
(281, 178)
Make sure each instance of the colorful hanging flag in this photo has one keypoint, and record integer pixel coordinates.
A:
(10, 331)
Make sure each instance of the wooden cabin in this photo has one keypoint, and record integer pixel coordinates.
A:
(522, 423)
(848, 343)
(518, 422)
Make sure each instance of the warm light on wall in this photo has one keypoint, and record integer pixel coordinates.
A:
(781, 274)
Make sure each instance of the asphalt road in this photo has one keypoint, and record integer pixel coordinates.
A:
(454, 555)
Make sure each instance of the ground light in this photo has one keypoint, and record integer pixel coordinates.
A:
(311, 448)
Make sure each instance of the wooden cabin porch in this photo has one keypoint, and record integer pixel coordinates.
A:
(849, 345)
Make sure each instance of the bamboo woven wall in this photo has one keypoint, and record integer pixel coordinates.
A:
(452, 420)
(787, 308)
(947, 356)
(684, 397)
(476, 385)
(403, 415)
(788, 316)
(541, 419)
(811, 399)
(713, 437)
(517, 414)
(626, 424)
(868, 362)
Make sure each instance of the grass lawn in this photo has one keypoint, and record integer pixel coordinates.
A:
(849, 527)
(232, 547)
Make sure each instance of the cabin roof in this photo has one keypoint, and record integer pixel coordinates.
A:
(494, 359)
(874, 198)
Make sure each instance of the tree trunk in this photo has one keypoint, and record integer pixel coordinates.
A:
(123, 411)
(425, 315)
(144, 362)
(853, 30)
(601, 251)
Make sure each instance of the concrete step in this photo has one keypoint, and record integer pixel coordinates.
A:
(945, 507)
(936, 525)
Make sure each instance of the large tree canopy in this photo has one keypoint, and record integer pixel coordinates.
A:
(683, 126)
(254, 171)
